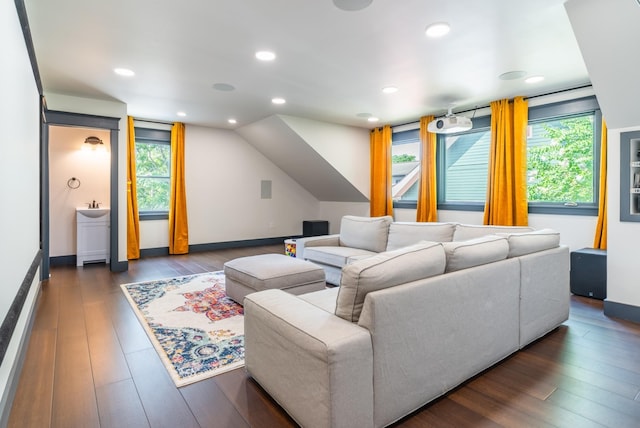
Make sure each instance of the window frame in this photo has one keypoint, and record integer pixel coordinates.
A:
(159, 137)
(481, 123)
(550, 111)
(565, 109)
(407, 136)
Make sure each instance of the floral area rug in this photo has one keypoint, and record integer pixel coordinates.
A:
(197, 330)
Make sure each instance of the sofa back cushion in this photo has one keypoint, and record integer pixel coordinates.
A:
(531, 242)
(471, 231)
(475, 252)
(385, 270)
(402, 234)
(366, 233)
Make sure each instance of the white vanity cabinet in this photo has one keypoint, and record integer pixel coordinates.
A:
(93, 235)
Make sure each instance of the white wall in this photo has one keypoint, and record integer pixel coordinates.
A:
(333, 212)
(69, 157)
(623, 239)
(223, 179)
(115, 109)
(346, 148)
(19, 188)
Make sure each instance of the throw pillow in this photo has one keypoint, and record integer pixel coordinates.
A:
(366, 233)
(402, 234)
(386, 270)
(465, 232)
(475, 252)
(531, 242)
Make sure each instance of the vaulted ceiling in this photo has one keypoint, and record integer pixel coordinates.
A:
(330, 65)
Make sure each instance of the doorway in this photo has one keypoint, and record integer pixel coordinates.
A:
(65, 119)
(79, 173)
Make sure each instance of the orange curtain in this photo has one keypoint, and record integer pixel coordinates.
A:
(600, 240)
(427, 188)
(178, 228)
(133, 224)
(506, 202)
(381, 199)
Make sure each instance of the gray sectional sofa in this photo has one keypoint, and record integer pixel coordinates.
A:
(362, 237)
(406, 325)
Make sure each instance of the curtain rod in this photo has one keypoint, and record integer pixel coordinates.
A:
(153, 121)
(526, 98)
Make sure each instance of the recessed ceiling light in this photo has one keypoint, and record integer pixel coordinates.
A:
(223, 87)
(437, 29)
(124, 72)
(534, 79)
(265, 55)
(232, 121)
(351, 5)
(373, 119)
(512, 75)
(390, 89)
(181, 114)
(364, 115)
(278, 100)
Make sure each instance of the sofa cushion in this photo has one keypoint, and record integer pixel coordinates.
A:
(386, 270)
(402, 234)
(531, 242)
(470, 231)
(366, 233)
(475, 252)
(334, 256)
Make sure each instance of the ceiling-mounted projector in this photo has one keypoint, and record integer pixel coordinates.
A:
(449, 124)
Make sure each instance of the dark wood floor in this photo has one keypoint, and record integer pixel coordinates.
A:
(90, 364)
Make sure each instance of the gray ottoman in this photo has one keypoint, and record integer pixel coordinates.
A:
(265, 271)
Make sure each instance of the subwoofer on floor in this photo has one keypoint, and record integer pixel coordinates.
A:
(589, 273)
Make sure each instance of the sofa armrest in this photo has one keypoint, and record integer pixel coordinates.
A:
(316, 241)
(544, 292)
(317, 366)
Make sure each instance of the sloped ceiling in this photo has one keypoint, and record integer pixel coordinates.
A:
(608, 33)
(331, 64)
(287, 149)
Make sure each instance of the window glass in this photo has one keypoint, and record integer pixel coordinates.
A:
(153, 173)
(465, 164)
(560, 160)
(405, 166)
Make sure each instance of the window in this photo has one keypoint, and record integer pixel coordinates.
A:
(153, 172)
(405, 167)
(463, 162)
(563, 146)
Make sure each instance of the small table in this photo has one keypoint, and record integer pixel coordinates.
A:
(267, 271)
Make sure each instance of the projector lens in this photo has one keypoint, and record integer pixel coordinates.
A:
(440, 124)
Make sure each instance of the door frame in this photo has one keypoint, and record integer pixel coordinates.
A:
(60, 118)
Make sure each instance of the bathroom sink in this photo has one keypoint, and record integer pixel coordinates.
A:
(92, 212)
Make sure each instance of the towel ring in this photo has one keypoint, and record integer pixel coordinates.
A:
(73, 183)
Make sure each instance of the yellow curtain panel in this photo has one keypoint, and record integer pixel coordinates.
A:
(506, 202)
(600, 240)
(381, 199)
(178, 227)
(133, 225)
(427, 188)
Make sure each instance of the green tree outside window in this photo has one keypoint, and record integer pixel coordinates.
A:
(560, 161)
(153, 170)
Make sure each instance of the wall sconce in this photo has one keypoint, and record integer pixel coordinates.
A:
(94, 143)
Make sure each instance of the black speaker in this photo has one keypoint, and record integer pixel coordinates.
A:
(589, 273)
(315, 227)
